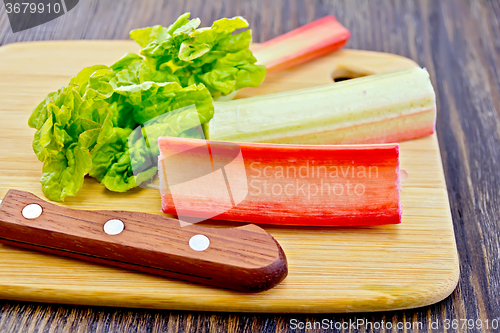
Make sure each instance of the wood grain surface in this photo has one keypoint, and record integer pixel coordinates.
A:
(407, 265)
(457, 40)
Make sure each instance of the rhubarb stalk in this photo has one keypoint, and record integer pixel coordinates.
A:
(280, 184)
(303, 44)
(381, 108)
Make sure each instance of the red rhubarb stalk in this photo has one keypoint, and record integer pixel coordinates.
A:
(303, 44)
(280, 184)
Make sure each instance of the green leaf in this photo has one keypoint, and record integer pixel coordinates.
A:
(122, 113)
(233, 72)
(151, 99)
(181, 20)
(190, 51)
(234, 43)
(148, 35)
(111, 163)
(38, 116)
(102, 156)
(64, 170)
(228, 25)
(213, 56)
(98, 87)
(127, 76)
(125, 61)
(93, 125)
(81, 80)
(68, 124)
(170, 124)
(148, 74)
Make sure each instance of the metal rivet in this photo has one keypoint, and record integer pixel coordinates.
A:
(199, 242)
(32, 211)
(114, 227)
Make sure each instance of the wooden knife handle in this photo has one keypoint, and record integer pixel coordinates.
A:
(245, 258)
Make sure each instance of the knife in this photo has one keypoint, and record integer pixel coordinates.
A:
(245, 258)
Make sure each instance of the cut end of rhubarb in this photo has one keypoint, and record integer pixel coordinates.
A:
(401, 175)
(303, 44)
(280, 184)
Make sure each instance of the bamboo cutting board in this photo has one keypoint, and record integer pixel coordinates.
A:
(330, 269)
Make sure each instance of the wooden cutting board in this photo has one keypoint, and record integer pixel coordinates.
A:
(330, 269)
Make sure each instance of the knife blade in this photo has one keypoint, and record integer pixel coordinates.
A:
(245, 258)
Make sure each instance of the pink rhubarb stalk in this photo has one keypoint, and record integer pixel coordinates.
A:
(303, 44)
(338, 185)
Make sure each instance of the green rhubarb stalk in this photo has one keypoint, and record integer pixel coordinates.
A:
(380, 108)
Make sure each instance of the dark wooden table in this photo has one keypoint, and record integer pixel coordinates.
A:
(458, 41)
